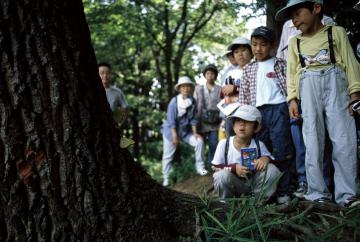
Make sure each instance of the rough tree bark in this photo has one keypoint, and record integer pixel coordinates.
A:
(63, 176)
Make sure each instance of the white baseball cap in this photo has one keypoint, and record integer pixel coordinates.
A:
(248, 113)
(284, 13)
(183, 80)
(239, 41)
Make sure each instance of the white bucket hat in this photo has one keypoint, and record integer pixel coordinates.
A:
(226, 53)
(183, 80)
(284, 13)
(248, 113)
(239, 41)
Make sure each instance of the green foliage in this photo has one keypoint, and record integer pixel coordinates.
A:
(183, 166)
(150, 43)
(244, 220)
(247, 219)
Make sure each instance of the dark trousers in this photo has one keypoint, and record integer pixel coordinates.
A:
(275, 134)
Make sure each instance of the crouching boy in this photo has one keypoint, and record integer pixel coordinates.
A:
(232, 177)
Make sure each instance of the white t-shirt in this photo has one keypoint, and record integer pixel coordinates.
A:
(267, 91)
(225, 73)
(235, 75)
(234, 155)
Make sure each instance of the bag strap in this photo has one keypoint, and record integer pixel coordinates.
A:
(331, 48)
(203, 96)
(331, 45)
(301, 58)
(227, 150)
(258, 148)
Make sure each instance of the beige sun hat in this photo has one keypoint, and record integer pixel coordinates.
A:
(284, 13)
(183, 80)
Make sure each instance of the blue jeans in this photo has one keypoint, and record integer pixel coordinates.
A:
(296, 132)
(211, 138)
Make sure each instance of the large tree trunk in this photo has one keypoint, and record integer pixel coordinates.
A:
(272, 6)
(63, 176)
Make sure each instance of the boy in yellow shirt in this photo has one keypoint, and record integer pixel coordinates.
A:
(323, 74)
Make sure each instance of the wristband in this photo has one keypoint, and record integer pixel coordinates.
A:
(355, 106)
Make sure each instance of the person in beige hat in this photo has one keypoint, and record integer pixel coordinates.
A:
(323, 73)
(180, 124)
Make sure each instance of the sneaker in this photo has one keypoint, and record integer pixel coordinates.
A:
(351, 202)
(202, 172)
(166, 182)
(283, 199)
(301, 191)
(324, 200)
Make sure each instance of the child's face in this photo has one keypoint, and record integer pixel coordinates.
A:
(305, 20)
(261, 48)
(185, 90)
(105, 74)
(244, 129)
(232, 59)
(210, 76)
(242, 55)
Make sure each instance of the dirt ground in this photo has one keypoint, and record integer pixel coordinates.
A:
(196, 185)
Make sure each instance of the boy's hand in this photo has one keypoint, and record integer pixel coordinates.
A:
(175, 139)
(242, 171)
(227, 90)
(198, 136)
(354, 108)
(215, 168)
(261, 163)
(294, 109)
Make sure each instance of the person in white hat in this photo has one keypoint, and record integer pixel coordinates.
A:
(180, 124)
(242, 54)
(322, 60)
(240, 51)
(233, 65)
(232, 177)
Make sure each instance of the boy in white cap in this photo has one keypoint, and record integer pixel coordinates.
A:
(232, 178)
(323, 73)
(181, 124)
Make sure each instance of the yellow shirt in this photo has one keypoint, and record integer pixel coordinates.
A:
(315, 50)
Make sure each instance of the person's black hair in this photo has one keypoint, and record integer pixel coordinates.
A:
(104, 64)
(234, 47)
(235, 118)
(211, 67)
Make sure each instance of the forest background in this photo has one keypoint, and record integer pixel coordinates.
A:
(151, 43)
(64, 176)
